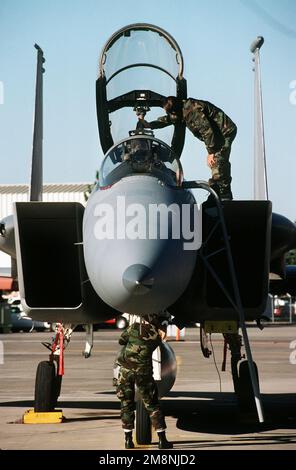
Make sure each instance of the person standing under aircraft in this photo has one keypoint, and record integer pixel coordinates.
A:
(210, 124)
(135, 360)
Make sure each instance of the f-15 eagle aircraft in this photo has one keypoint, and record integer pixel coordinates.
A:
(142, 245)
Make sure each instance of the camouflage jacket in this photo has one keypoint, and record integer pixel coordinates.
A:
(206, 121)
(139, 342)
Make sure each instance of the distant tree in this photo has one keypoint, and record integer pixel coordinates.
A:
(90, 187)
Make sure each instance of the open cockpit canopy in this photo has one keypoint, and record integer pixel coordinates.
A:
(139, 65)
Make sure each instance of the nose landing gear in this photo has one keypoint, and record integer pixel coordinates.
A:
(49, 373)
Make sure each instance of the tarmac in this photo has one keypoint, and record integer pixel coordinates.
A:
(198, 415)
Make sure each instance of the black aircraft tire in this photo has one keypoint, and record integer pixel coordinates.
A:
(57, 385)
(45, 387)
(245, 390)
(143, 424)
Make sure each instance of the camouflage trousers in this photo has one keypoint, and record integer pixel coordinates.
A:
(127, 380)
(221, 171)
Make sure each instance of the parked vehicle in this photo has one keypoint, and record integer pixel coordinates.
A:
(120, 322)
(282, 308)
(21, 322)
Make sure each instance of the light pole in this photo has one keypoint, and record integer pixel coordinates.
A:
(260, 173)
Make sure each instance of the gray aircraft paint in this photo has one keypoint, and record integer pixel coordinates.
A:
(143, 275)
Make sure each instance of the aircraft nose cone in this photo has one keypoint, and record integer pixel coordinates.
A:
(138, 265)
(138, 279)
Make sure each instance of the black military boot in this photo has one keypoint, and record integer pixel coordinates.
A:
(223, 191)
(226, 195)
(163, 442)
(129, 440)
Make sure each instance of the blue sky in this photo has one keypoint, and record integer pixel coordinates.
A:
(214, 37)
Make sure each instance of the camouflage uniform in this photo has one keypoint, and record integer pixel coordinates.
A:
(135, 360)
(211, 125)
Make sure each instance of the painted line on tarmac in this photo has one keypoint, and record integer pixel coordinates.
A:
(40, 353)
(72, 341)
(96, 341)
(74, 398)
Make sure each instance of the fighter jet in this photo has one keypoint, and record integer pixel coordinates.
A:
(142, 244)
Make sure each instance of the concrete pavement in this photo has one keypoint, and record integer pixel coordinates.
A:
(198, 415)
